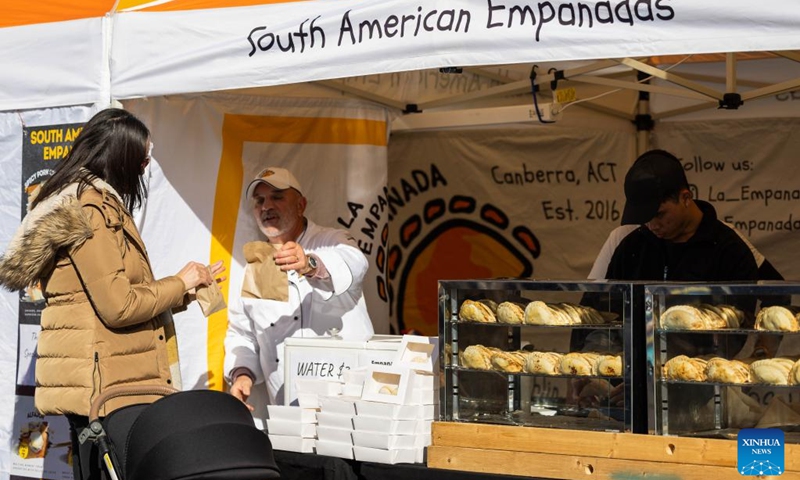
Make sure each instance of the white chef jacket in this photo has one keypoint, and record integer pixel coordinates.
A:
(257, 328)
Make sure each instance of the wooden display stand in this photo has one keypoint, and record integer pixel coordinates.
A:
(574, 454)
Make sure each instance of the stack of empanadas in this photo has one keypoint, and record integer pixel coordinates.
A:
(685, 368)
(727, 371)
(477, 311)
(701, 317)
(579, 363)
(511, 312)
(547, 363)
(541, 313)
(478, 357)
(513, 362)
(542, 363)
(773, 371)
(778, 319)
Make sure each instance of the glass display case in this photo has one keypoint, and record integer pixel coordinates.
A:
(561, 354)
(723, 357)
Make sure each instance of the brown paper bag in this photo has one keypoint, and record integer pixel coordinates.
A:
(210, 299)
(263, 278)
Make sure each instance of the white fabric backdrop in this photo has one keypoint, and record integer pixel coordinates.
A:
(736, 165)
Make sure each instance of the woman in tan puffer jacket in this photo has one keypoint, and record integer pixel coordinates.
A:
(107, 321)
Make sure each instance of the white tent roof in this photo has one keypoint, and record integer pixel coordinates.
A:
(140, 48)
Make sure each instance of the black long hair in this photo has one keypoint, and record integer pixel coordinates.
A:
(112, 147)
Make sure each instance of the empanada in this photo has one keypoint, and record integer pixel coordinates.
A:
(513, 362)
(579, 363)
(772, 371)
(473, 311)
(510, 312)
(794, 374)
(477, 357)
(727, 371)
(609, 365)
(547, 363)
(539, 313)
(685, 368)
(682, 317)
(778, 319)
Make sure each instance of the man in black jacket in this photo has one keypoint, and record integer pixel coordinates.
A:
(669, 236)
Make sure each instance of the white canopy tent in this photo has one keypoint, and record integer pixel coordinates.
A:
(389, 53)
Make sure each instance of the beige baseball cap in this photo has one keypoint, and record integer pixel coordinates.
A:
(276, 177)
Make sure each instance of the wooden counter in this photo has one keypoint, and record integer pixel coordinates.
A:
(573, 454)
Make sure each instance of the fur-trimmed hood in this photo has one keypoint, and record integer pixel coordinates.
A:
(57, 222)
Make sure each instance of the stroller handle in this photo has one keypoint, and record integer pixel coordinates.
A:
(126, 391)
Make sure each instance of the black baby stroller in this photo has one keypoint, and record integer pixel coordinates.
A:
(198, 434)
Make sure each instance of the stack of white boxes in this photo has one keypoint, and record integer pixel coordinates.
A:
(334, 434)
(379, 414)
(295, 428)
(398, 405)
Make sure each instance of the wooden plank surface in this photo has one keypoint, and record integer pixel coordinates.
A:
(627, 446)
(576, 467)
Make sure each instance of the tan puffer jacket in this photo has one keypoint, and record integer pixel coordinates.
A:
(106, 321)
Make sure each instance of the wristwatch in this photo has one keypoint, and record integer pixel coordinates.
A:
(312, 265)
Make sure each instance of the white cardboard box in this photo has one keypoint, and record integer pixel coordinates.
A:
(328, 358)
(333, 449)
(308, 400)
(292, 444)
(352, 389)
(339, 404)
(317, 386)
(356, 376)
(335, 435)
(424, 426)
(406, 455)
(389, 385)
(427, 381)
(418, 353)
(389, 411)
(292, 414)
(335, 420)
(386, 441)
(424, 397)
(295, 429)
(392, 427)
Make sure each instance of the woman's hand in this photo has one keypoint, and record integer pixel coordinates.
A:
(196, 274)
(216, 269)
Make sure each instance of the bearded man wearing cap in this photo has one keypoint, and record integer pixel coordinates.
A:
(325, 270)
